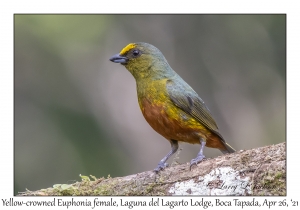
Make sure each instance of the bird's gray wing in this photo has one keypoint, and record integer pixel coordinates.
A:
(184, 97)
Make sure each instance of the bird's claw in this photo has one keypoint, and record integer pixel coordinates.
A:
(196, 160)
(160, 167)
(193, 162)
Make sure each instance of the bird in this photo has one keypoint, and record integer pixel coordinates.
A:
(169, 105)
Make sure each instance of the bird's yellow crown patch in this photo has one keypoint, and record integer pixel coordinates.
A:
(127, 48)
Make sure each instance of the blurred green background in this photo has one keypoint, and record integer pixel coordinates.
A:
(75, 112)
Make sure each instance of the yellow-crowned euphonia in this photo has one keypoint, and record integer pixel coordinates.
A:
(170, 106)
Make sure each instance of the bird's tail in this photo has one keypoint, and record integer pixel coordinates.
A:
(229, 149)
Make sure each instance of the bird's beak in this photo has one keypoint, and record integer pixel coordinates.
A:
(119, 59)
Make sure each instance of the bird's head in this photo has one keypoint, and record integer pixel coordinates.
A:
(143, 61)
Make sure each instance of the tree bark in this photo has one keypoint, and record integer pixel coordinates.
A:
(259, 171)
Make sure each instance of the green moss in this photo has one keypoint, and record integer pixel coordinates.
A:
(278, 175)
(102, 190)
(271, 182)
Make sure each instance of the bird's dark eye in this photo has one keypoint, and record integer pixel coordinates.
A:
(135, 53)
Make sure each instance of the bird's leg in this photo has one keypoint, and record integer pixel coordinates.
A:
(162, 164)
(200, 155)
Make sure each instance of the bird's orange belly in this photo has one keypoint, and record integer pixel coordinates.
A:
(172, 123)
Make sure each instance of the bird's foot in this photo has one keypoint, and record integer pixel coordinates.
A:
(198, 159)
(160, 166)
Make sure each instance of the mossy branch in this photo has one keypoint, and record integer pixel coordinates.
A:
(260, 171)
